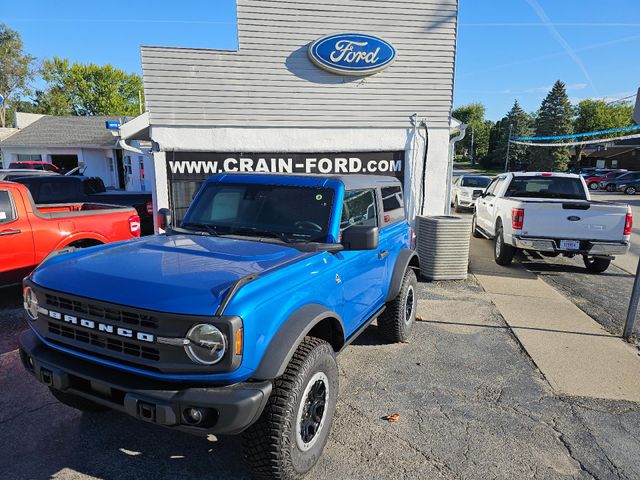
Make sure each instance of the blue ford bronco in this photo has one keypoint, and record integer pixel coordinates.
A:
(230, 322)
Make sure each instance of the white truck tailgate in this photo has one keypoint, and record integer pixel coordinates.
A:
(574, 219)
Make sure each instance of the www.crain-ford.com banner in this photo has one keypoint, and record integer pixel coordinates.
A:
(187, 170)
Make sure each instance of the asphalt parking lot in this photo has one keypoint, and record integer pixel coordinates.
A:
(471, 405)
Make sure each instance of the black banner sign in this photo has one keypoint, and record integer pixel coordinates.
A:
(187, 170)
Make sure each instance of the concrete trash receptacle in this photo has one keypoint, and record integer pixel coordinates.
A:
(443, 247)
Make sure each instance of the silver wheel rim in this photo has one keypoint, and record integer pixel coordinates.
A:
(409, 305)
(498, 245)
(317, 377)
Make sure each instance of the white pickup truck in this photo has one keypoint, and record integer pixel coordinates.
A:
(551, 213)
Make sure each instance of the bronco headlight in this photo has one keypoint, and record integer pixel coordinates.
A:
(206, 344)
(30, 303)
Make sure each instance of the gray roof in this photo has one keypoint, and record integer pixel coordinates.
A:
(50, 131)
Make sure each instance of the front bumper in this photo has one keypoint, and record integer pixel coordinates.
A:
(229, 409)
(466, 202)
(587, 247)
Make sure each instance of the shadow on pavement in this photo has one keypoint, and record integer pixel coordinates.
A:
(113, 446)
(11, 297)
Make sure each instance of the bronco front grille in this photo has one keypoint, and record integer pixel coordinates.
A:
(103, 342)
(99, 312)
(124, 334)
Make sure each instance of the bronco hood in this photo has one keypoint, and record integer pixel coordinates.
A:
(187, 274)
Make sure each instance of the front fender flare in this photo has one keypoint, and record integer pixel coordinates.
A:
(291, 333)
(405, 258)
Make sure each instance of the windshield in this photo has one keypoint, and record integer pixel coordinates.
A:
(475, 182)
(285, 212)
(546, 187)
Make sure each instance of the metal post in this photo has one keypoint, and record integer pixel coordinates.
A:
(473, 155)
(506, 160)
(633, 306)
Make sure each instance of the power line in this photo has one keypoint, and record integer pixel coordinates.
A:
(580, 135)
(573, 144)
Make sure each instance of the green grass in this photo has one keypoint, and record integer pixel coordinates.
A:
(477, 168)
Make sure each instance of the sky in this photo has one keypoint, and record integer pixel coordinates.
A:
(507, 49)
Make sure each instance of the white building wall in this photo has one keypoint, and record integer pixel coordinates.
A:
(96, 161)
(424, 190)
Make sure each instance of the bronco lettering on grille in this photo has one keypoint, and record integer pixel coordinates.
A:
(104, 327)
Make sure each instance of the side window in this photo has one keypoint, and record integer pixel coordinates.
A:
(492, 186)
(392, 204)
(359, 208)
(7, 210)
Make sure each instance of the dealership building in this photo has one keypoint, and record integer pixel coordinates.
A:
(355, 86)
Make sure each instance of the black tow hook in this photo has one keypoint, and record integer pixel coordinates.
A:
(47, 376)
(147, 411)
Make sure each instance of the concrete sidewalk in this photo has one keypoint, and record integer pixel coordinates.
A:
(575, 354)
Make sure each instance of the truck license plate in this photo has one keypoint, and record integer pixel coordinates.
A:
(569, 245)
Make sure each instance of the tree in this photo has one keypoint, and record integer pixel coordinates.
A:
(88, 89)
(16, 70)
(477, 131)
(555, 117)
(519, 123)
(595, 115)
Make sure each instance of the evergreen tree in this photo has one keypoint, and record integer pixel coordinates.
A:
(520, 122)
(555, 117)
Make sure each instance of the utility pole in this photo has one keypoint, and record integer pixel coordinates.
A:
(633, 306)
(506, 160)
(473, 156)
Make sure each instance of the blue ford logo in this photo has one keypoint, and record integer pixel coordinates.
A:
(352, 53)
(573, 218)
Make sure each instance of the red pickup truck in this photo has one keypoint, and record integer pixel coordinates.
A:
(29, 232)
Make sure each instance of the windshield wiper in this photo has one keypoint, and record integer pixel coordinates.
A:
(260, 233)
(202, 226)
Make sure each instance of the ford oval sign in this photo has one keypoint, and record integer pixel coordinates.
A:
(352, 53)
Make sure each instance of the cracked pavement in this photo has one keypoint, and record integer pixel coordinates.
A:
(471, 403)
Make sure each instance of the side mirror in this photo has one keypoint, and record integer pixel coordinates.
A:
(166, 218)
(360, 237)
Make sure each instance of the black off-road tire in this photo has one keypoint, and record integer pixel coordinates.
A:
(474, 227)
(79, 403)
(272, 445)
(502, 252)
(595, 264)
(397, 320)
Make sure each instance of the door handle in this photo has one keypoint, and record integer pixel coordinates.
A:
(9, 232)
(383, 254)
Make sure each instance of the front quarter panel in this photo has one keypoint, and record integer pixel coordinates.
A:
(266, 303)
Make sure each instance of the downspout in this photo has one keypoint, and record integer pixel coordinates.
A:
(123, 145)
(452, 149)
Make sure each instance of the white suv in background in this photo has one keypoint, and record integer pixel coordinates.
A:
(465, 190)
